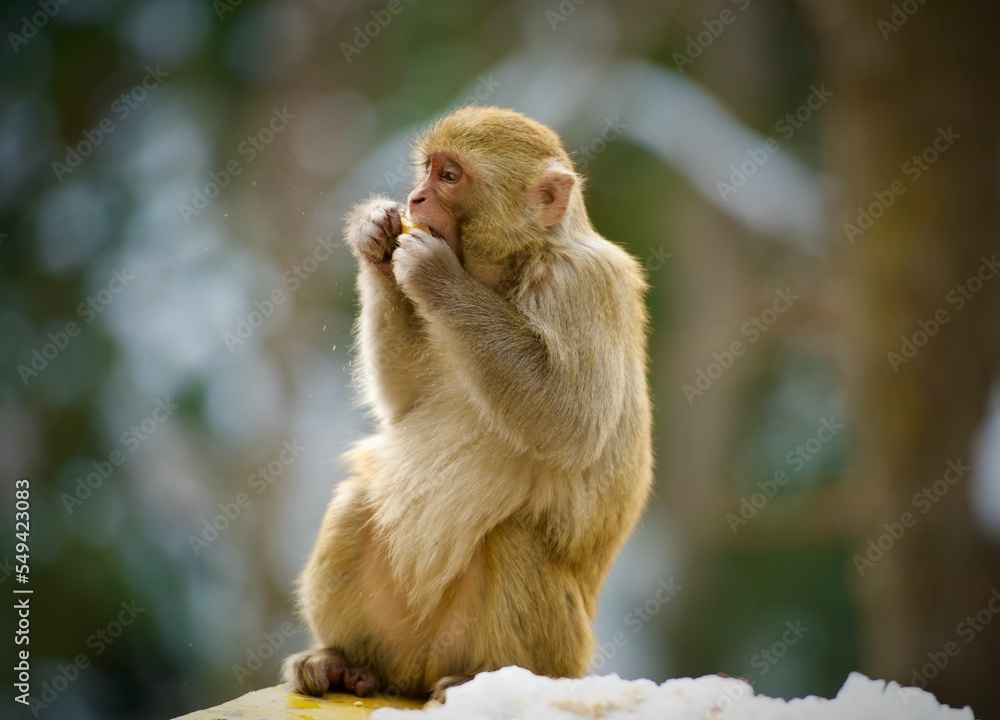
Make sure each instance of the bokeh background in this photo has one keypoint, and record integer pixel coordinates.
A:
(810, 185)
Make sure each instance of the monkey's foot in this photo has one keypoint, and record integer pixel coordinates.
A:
(438, 689)
(314, 672)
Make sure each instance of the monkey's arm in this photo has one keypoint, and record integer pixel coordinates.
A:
(554, 377)
(390, 346)
(389, 333)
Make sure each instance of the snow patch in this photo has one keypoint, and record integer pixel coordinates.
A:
(514, 693)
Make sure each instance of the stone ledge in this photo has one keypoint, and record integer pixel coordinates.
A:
(513, 693)
(277, 702)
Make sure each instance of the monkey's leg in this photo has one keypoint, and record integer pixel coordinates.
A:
(528, 611)
(330, 596)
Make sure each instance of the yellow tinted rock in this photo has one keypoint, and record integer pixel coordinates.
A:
(277, 703)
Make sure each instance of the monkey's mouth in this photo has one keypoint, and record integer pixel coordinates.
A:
(434, 232)
(413, 223)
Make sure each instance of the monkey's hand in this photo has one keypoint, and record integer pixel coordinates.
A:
(422, 261)
(372, 229)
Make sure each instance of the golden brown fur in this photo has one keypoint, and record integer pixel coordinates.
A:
(504, 360)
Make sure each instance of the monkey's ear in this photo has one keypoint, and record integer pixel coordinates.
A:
(552, 192)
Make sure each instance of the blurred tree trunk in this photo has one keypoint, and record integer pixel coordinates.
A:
(899, 86)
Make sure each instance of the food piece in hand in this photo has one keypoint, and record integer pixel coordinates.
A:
(409, 225)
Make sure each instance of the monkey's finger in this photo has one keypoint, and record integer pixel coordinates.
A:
(373, 247)
(412, 241)
(383, 220)
(420, 235)
(384, 224)
(395, 222)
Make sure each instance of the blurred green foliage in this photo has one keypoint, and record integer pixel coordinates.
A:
(205, 614)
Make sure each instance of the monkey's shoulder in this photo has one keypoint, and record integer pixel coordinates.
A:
(593, 256)
(591, 271)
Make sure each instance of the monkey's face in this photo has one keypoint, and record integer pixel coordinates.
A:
(443, 191)
(491, 181)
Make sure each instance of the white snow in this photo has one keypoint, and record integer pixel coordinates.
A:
(514, 693)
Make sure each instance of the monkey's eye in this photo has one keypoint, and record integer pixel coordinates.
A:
(451, 176)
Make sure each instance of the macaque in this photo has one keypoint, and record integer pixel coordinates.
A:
(502, 349)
